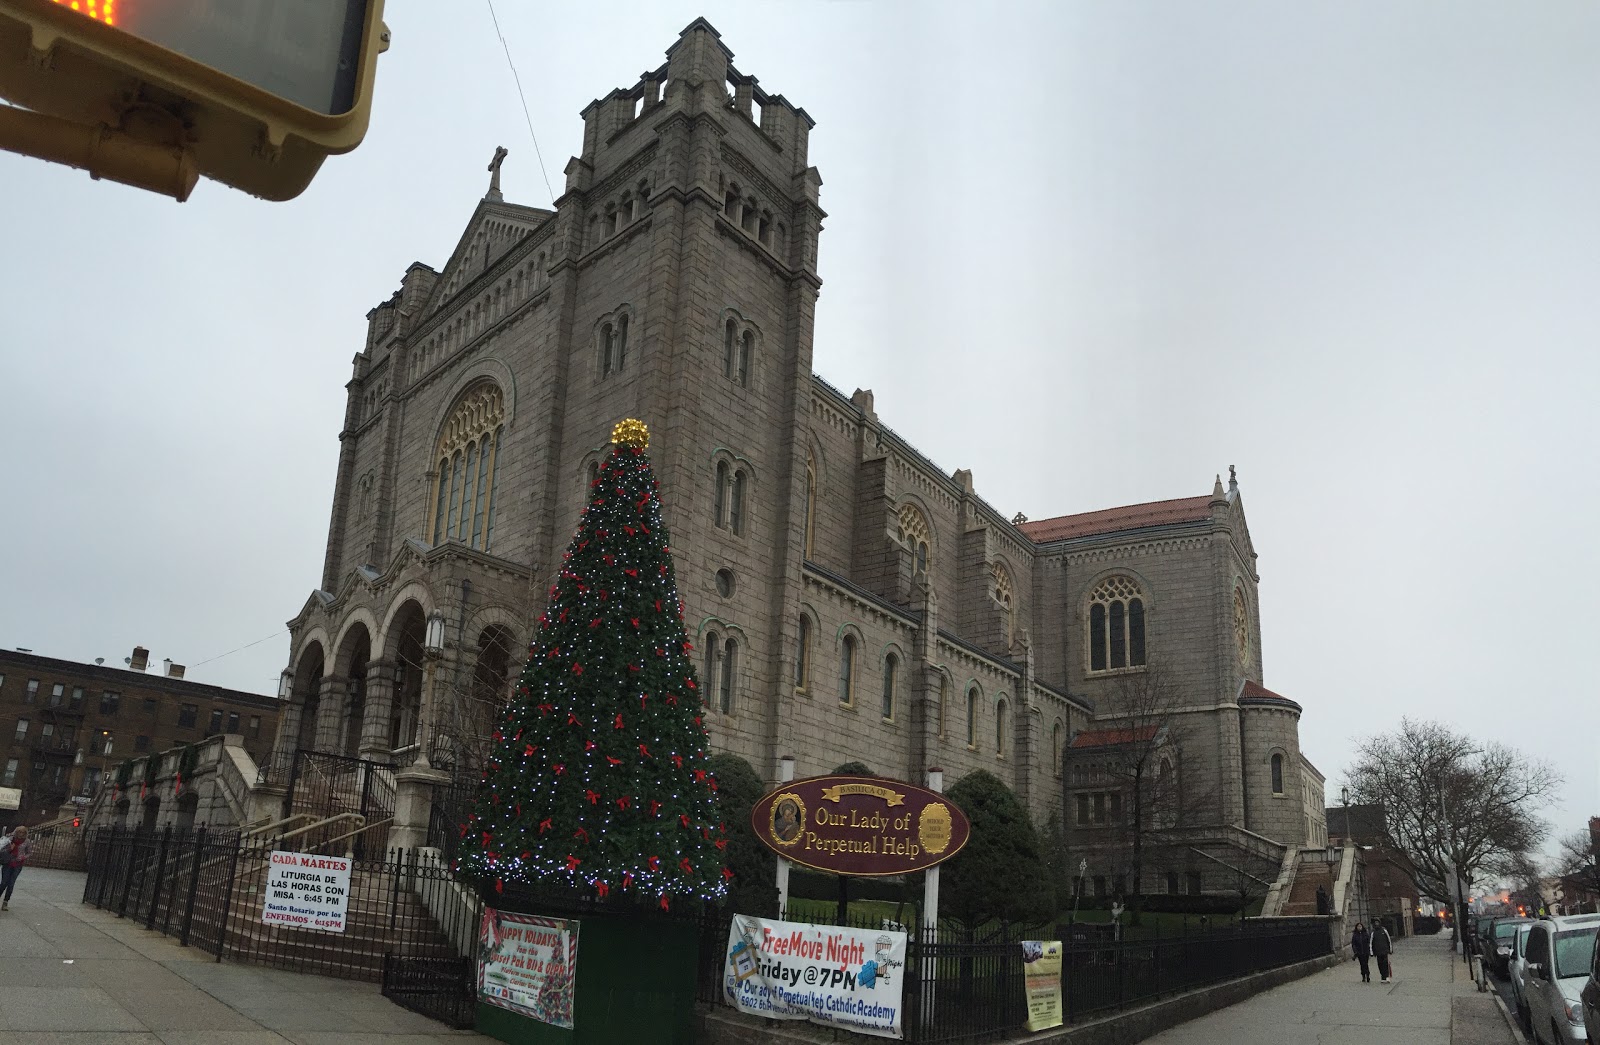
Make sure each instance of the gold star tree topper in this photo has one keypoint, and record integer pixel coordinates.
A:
(631, 432)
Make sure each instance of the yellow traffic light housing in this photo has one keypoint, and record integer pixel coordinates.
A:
(252, 93)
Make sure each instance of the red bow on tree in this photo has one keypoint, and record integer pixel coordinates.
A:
(688, 868)
(573, 862)
(593, 796)
(544, 825)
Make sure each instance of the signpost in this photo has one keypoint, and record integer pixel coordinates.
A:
(307, 891)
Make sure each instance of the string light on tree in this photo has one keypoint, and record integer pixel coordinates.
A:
(597, 781)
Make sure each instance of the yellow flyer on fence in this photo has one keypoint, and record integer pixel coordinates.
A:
(1041, 970)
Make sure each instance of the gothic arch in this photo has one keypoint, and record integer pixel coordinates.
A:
(484, 370)
(359, 615)
(415, 591)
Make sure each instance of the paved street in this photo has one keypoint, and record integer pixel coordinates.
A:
(1430, 1002)
(73, 974)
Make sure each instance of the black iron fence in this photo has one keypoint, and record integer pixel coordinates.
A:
(967, 986)
(323, 785)
(208, 890)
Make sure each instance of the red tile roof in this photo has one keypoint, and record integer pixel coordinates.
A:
(1111, 520)
(1256, 693)
(1113, 737)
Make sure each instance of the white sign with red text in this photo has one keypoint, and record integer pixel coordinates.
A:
(307, 891)
(840, 977)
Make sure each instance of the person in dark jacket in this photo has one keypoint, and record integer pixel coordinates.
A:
(1382, 947)
(1361, 947)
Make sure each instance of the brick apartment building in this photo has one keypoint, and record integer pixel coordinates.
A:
(68, 725)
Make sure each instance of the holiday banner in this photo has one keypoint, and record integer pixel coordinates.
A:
(528, 965)
(1041, 982)
(828, 974)
(307, 891)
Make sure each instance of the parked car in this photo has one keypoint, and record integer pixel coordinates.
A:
(1498, 956)
(1517, 971)
(1591, 994)
(1560, 958)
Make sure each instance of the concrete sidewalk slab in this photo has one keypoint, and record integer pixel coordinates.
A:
(72, 974)
(1335, 1008)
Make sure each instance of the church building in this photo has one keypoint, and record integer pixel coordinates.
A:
(849, 601)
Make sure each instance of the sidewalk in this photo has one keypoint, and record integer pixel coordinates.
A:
(1420, 1007)
(72, 974)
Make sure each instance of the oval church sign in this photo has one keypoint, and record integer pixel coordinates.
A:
(859, 825)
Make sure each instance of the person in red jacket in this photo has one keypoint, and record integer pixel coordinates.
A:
(14, 853)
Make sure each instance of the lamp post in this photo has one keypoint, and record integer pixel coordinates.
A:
(432, 650)
(286, 684)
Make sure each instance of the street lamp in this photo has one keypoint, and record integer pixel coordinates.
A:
(432, 650)
(285, 684)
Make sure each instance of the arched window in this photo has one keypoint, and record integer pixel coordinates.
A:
(1116, 625)
(468, 456)
(915, 535)
(713, 661)
(736, 503)
(1277, 774)
(747, 345)
(730, 667)
(802, 654)
(1000, 728)
(1004, 597)
(972, 717)
(622, 341)
(719, 506)
(608, 349)
(891, 665)
(847, 671)
(730, 338)
(1056, 749)
(594, 474)
(811, 503)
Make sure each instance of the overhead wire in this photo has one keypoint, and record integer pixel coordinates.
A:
(524, 99)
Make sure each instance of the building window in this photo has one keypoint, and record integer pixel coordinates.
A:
(22, 730)
(847, 672)
(730, 667)
(730, 338)
(56, 693)
(10, 776)
(810, 514)
(747, 345)
(255, 725)
(736, 502)
(141, 743)
(91, 780)
(150, 705)
(1277, 774)
(1099, 801)
(233, 722)
(713, 661)
(725, 582)
(1100, 885)
(1055, 750)
(915, 535)
(216, 721)
(1172, 883)
(187, 715)
(76, 703)
(972, 717)
(944, 693)
(719, 503)
(1000, 728)
(1083, 810)
(1003, 598)
(33, 692)
(109, 741)
(1116, 625)
(802, 654)
(614, 346)
(468, 460)
(891, 664)
(110, 700)
(1241, 625)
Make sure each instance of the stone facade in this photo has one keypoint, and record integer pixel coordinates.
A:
(863, 604)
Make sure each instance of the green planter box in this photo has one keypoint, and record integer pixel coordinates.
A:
(635, 982)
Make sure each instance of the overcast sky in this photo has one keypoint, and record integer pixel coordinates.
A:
(1095, 252)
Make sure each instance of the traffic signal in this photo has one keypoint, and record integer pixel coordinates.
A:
(77, 821)
(252, 93)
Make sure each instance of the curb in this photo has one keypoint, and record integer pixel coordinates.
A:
(1511, 1021)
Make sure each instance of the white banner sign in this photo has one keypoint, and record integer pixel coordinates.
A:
(307, 891)
(828, 974)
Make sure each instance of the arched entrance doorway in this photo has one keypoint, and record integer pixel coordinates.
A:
(306, 695)
(351, 663)
(405, 650)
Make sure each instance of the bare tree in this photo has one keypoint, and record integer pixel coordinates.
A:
(1137, 764)
(1451, 801)
(1578, 857)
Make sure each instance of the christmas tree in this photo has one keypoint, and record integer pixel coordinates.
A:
(598, 780)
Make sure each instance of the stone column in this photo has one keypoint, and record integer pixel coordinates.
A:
(379, 711)
(330, 714)
(413, 804)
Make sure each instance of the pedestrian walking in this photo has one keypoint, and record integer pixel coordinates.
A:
(14, 852)
(1382, 947)
(1361, 946)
